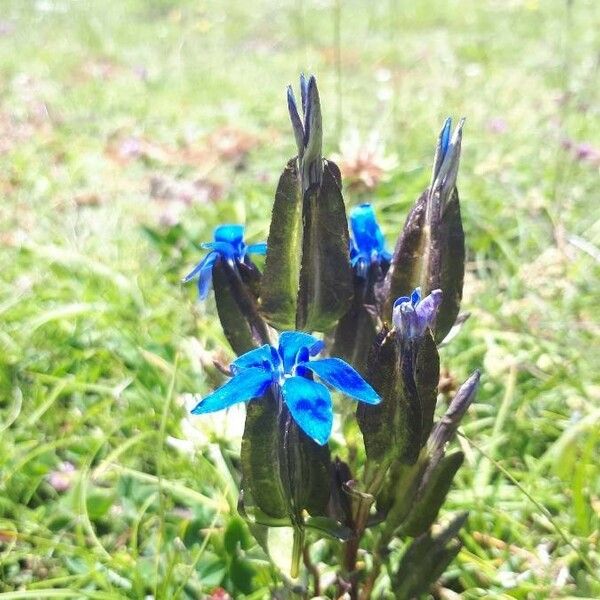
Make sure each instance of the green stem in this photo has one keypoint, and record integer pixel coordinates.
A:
(297, 547)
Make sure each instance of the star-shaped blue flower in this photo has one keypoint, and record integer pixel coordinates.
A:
(228, 245)
(289, 371)
(367, 244)
(413, 315)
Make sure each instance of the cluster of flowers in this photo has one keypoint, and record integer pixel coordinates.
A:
(290, 367)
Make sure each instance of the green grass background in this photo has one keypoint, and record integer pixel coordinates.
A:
(98, 339)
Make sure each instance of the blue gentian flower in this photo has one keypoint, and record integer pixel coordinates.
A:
(413, 315)
(228, 245)
(367, 244)
(289, 371)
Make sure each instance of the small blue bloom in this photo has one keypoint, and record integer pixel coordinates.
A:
(289, 370)
(412, 316)
(367, 244)
(228, 245)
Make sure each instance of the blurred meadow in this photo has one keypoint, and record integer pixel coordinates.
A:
(130, 128)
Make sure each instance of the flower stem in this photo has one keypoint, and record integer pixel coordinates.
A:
(297, 547)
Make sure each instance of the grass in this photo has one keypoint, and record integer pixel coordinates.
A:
(102, 100)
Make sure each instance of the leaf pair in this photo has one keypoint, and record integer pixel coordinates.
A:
(430, 253)
(307, 280)
(406, 377)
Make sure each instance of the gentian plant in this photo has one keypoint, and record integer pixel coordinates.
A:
(334, 314)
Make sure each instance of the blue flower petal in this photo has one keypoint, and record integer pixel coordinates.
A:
(412, 316)
(344, 378)
(303, 91)
(225, 249)
(291, 342)
(205, 278)
(207, 261)
(246, 385)
(231, 234)
(415, 297)
(427, 308)
(260, 248)
(368, 243)
(401, 300)
(259, 357)
(310, 405)
(445, 136)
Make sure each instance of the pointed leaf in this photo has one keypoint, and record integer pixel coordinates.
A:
(447, 426)
(408, 261)
(354, 336)
(448, 270)
(284, 471)
(392, 429)
(425, 561)
(326, 281)
(329, 527)
(427, 377)
(279, 288)
(437, 482)
(261, 458)
(242, 324)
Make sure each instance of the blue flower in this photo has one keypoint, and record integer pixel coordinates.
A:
(289, 371)
(412, 316)
(367, 244)
(228, 245)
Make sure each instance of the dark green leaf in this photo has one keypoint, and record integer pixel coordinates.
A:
(425, 561)
(242, 574)
(326, 282)
(447, 426)
(284, 471)
(309, 470)
(237, 307)
(448, 274)
(260, 455)
(236, 536)
(437, 481)
(329, 527)
(279, 288)
(430, 253)
(408, 267)
(427, 377)
(99, 503)
(354, 336)
(393, 428)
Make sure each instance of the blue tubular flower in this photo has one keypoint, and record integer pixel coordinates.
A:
(412, 316)
(228, 245)
(289, 370)
(367, 244)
